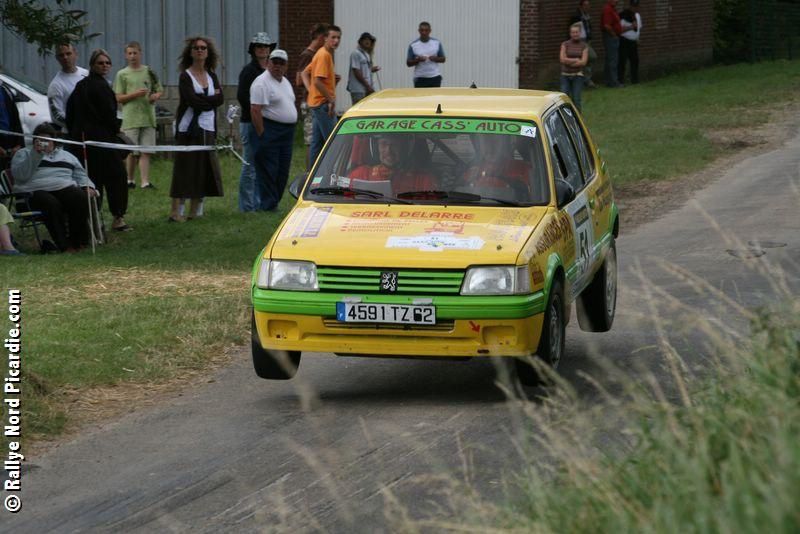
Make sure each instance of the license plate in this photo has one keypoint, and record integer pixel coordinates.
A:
(362, 312)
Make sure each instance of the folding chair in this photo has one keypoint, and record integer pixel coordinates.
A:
(18, 205)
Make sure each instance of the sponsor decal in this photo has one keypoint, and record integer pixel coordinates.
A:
(491, 126)
(308, 222)
(474, 327)
(435, 242)
(557, 229)
(446, 227)
(537, 275)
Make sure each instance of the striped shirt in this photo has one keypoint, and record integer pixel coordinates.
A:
(574, 51)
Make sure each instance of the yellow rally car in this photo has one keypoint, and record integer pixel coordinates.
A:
(442, 223)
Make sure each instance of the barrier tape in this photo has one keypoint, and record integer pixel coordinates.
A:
(132, 148)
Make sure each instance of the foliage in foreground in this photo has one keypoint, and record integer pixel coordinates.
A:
(728, 461)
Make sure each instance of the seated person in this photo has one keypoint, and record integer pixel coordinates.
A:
(395, 165)
(496, 169)
(6, 246)
(54, 177)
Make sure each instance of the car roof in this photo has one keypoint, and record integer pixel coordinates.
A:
(457, 102)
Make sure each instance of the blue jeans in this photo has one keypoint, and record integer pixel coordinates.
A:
(273, 157)
(247, 180)
(611, 44)
(322, 126)
(573, 87)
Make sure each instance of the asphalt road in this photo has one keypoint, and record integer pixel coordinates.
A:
(353, 444)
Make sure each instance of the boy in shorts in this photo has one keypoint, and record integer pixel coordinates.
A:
(137, 89)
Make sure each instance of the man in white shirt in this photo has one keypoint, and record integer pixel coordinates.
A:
(63, 83)
(425, 54)
(631, 22)
(273, 115)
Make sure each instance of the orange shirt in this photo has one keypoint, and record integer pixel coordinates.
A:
(321, 66)
(402, 180)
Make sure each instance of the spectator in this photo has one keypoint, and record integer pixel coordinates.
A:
(274, 117)
(92, 116)
(259, 49)
(424, 55)
(611, 30)
(10, 122)
(7, 248)
(196, 175)
(58, 185)
(63, 83)
(582, 15)
(318, 33)
(321, 79)
(631, 22)
(573, 57)
(137, 88)
(359, 80)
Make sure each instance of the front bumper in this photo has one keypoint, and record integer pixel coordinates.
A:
(466, 326)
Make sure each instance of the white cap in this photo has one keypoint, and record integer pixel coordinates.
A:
(279, 54)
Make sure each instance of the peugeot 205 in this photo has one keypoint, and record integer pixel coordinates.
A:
(442, 223)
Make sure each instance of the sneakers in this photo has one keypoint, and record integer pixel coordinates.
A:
(148, 186)
(12, 252)
(131, 185)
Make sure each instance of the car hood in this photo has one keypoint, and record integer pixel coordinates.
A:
(406, 236)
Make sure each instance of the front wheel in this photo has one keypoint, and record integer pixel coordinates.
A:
(272, 364)
(597, 304)
(551, 341)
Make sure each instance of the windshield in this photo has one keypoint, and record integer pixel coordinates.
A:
(424, 160)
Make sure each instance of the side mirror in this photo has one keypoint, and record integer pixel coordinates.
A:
(20, 97)
(564, 192)
(297, 185)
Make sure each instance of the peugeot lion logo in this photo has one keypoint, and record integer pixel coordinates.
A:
(388, 281)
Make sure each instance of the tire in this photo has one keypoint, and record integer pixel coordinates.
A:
(272, 364)
(551, 341)
(597, 304)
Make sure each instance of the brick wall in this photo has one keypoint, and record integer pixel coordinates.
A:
(675, 33)
(296, 20)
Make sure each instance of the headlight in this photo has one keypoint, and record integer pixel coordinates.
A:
(292, 275)
(500, 280)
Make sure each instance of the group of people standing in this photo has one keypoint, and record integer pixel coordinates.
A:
(84, 107)
(269, 114)
(620, 32)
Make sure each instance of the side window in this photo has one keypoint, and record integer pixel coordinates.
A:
(582, 144)
(563, 152)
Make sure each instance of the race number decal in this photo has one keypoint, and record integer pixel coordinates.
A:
(581, 220)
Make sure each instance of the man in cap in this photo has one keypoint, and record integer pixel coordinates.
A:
(273, 115)
(359, 80)
(260, 47)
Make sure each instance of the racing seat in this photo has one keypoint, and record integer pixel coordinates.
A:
(18, 205)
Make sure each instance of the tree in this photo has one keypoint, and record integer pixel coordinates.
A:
(43, 25)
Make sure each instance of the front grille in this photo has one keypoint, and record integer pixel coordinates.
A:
(440, 326)
(367, 280)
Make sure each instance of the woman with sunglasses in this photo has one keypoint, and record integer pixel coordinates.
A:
(196, 175)
(92, 116)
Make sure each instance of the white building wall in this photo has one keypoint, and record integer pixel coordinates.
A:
(480, 40)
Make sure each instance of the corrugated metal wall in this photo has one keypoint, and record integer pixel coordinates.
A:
(480, 39)
(161, 26)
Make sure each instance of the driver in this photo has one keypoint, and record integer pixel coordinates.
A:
(496, 168)
(394, 155)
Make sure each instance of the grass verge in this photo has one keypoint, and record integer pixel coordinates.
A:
(166, 299)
